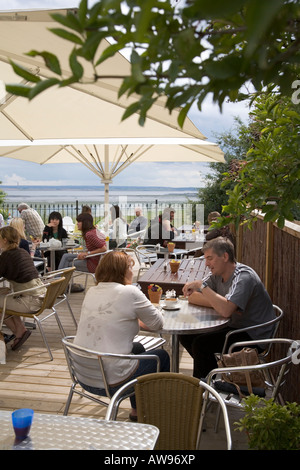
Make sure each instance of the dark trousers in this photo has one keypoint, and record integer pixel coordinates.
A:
(203, 347)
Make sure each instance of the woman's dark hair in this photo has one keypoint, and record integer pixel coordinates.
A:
(116, 213)
(87, 222)
(57, 216)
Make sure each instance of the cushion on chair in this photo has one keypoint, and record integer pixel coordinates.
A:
(222, 386)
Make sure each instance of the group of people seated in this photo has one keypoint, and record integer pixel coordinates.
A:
(114, 310)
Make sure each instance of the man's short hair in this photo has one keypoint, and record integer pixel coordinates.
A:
(220, 245)
(23, 206)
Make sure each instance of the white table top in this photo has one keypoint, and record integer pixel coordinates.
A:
(58, 432)
(190, 318)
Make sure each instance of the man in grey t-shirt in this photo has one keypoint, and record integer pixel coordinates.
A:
(236, 292)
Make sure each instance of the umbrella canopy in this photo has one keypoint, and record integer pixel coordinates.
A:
(48, 128)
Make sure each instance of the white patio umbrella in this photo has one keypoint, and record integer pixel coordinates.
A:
(82, 122)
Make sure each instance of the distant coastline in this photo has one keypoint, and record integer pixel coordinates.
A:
(95, 194)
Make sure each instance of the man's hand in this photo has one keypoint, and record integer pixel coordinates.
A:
(191, 287)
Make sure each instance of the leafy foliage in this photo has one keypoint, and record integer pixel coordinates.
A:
(187, 52)
(179, 52)
(2, 195)
(269, 178)
(235, 144)
(269, 425)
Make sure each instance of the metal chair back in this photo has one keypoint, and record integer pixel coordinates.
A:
(275, 372)
(52, 290)
(175, 404)
(275, 322)
(62, 296)
(88, 367)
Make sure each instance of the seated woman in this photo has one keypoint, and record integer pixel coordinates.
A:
(119, 229)
(54, 229)
(111, 315)
(19, 225)
(17, 267)
(95, 243)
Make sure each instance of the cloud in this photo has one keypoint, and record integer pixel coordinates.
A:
(17, 180)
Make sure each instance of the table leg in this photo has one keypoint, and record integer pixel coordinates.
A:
(175, 354)
(52, 260)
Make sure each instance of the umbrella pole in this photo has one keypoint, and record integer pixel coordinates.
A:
(106, 180)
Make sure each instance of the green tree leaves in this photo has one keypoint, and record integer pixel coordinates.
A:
(269, 180)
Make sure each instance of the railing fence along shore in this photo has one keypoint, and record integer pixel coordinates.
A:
(185, 213)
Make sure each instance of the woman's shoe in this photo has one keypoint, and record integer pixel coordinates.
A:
(19, 341)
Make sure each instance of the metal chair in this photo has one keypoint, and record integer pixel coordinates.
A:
(87, 273)
(150, 342)
(40, 264)
(68, 224)
(275, 322)
(62, 295)
(274, 372)
(86, 365)
(137, 236)
(175, 404)
(52, 289)
(146, 256)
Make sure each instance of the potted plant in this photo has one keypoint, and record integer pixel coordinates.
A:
(154, 293)
(270, 426)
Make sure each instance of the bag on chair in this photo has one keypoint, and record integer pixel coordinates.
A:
(243, 383)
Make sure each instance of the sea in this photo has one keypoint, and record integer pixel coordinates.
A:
(95, 194)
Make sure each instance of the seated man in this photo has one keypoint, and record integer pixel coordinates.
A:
(161, 229)
(139, 223)
(236, 292)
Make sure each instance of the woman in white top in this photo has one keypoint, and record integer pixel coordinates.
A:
(119, 229)
(111, 315)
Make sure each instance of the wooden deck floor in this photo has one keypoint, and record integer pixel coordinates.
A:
(30, 379)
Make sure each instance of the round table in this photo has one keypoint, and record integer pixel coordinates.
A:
(188, 319)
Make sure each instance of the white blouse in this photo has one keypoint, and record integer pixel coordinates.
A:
(119, 231)
(109, 323)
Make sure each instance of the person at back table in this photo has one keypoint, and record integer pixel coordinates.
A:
(18, 224)
(16, 265)
(236, 292)
(54, 229)
(139, 223)
(119, 229)
(161, 229)
(34, 224)
(95, 243)
(111, 316)
(218, 232)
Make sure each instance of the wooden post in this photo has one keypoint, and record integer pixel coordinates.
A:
(269, 258)
(238, 242)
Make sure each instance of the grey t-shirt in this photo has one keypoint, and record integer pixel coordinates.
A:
(246, 290)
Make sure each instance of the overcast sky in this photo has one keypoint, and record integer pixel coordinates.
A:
(209, 121)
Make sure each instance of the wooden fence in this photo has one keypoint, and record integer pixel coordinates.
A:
(275, 255)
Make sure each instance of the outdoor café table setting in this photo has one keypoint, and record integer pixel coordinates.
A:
(56, 245)
(57, 432)
(181, 318)
(160, 273)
